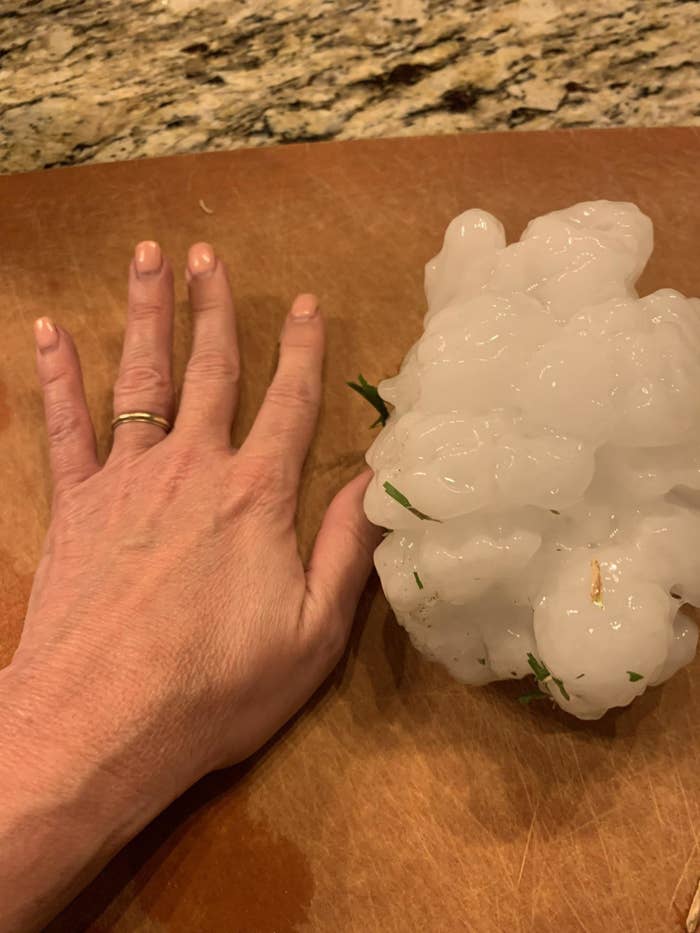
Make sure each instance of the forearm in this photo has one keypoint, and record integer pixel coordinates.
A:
(65, 806)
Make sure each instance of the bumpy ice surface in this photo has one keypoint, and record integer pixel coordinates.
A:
(547, 422)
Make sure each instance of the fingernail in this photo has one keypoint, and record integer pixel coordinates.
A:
(201, 260)
(304, 307)
(45, 334)
(147, 258)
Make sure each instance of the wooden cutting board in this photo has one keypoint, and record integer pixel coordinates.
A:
(399, 800)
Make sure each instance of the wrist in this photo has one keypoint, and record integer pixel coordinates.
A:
(72, 796)
(81, 735)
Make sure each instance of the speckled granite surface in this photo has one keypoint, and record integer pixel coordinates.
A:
(88, 80)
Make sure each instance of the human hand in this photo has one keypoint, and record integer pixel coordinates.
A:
(171, 613)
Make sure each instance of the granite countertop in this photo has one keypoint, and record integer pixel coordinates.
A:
(85, 81)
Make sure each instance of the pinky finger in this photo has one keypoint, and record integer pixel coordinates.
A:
(71, 436)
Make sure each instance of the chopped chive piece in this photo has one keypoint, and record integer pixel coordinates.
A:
(538, 669)
(419, 582)
(371, 394)
(579, 676)
(543, 675)
(482, 661)
(402, 500)
(634, 676)
(527, 698)
(560, 684)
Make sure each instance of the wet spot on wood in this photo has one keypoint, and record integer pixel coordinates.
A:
(14, 595)
(230, 871)
(205, 864)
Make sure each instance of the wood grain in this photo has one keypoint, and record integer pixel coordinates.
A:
(398, 800)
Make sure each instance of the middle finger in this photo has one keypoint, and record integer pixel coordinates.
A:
(210, 389)
(144, 382)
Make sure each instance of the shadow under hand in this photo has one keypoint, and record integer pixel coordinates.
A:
(163, 878)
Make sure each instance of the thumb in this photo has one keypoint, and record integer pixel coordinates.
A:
(340, 564)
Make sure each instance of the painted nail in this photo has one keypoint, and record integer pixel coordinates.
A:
(147, 258)
(45, 334)
(201, 260)
(304, 307)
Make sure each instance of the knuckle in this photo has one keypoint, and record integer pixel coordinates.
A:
(302, 341)
(291, 392)
(55, 377)
(262, 482)
(138, 377)
(143, 308)
(211, 305)
(62, 423)
(213, 365)
(253, 474)
(352, 531)
(188, 457)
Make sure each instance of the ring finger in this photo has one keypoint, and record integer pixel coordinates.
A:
(144, 383)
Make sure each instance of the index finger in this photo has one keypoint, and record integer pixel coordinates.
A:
(210, 389)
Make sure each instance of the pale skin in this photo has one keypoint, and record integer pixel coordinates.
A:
(172, 627)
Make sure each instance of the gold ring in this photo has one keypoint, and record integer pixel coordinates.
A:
(144, 416)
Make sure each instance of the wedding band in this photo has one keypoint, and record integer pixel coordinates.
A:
(144, 416)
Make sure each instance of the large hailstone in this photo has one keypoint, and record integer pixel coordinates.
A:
(544, 435)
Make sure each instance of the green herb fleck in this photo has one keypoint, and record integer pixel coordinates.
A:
(634, 676)
(538, 669)
(543, 675)
(560, 684)
(419, 582)
(402, 500)
(482, 661)
(527, 698)
(371, 394)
